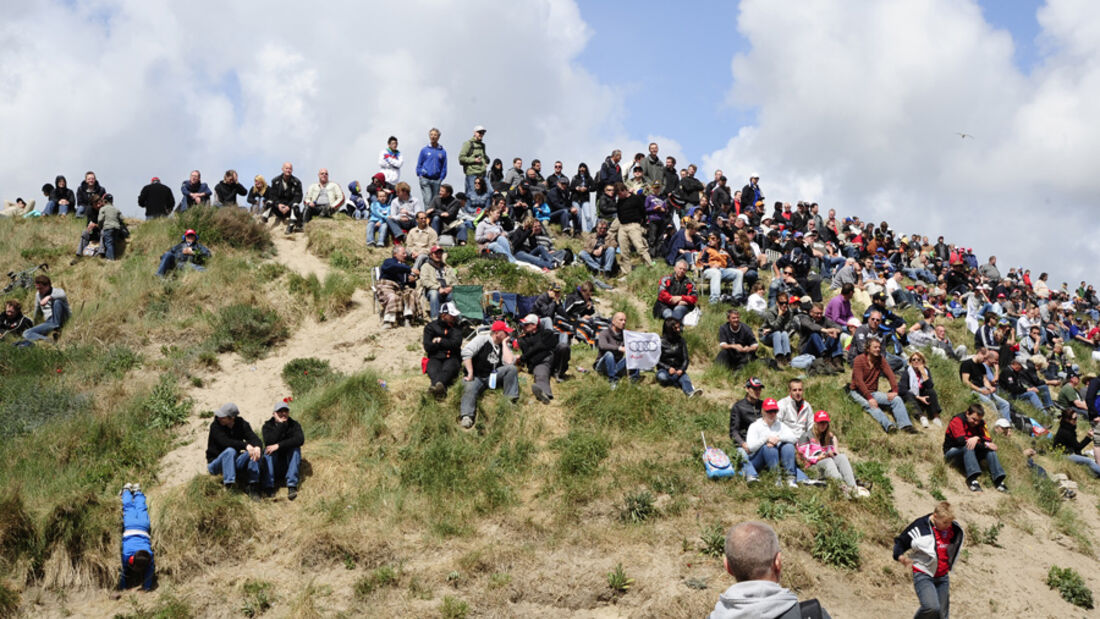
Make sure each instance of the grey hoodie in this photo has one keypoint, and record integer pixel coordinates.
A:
(755, 599)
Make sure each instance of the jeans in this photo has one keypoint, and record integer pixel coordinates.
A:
(135, 521)
(997, 402)
(40, 332)
(168, 262)
(537, 256)
(747, 469)
(429, 189)
(229, 463)
(567, 219)
(435, 300)
(1086, 461)
(459, 231)
(398, 226)
(934, 596)
(677, 312)
(53, 208)
(108, 238)
(587, 209)
(1032, 398)
(443, 371)
(716, 276)
(377, 232)
(970, 464)
(897, 406)
(282, 464)
(612, 369)
(831, 263)
(500, 246)
(604, 263)
(667, 380)
(780, 342)
(821, 346)
(507, 381)
(771, 457)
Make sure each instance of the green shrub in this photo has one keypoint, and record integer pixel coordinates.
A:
(454, 608)
(713, 541)
(165, 406)
(302, 375)
(581, 453)
(1070, 584)
(638, 507)
(168, 606)
(458, 256)
(987, 536)
(503, 275)
(217, 226)
(18, 535)
(247, 330)
(774, 509)
(340, 405)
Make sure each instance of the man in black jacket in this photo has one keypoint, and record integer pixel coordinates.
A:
(742, 415)
(738, 344)
(553, 317)
(631, 213)
(88, 192)
(443, 347)
(541, 355)
(751, 194)
(284, 198)
(283, 440)
(156, 199)
(232, 447)
(610, 172)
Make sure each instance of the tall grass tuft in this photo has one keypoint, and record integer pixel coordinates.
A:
(355, 404)
(303, 375)
(229, 226)
(207, 524)
(247, 330)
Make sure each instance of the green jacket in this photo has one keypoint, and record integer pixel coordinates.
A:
(109, 217)
(467, 157)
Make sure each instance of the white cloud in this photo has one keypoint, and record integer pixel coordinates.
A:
(858, 104)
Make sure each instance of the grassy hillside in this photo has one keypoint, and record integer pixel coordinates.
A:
(544, 510)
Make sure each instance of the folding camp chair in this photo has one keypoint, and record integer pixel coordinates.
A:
(468, 300)
(375, 275)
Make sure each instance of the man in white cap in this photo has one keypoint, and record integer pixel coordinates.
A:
(232, 447)
(539, 352)
(473, 159)
(283, 440)
(443, 348)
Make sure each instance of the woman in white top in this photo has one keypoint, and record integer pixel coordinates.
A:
(771, 444)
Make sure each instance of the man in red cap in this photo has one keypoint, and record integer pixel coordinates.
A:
(489, 364)
(156, 199)
(188, 254)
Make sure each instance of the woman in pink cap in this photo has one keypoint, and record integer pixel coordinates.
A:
(820, 450)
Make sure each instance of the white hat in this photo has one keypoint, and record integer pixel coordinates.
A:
(530, 319)
(1002, 423)
(754, 175)
(479, 129)
(449, 308)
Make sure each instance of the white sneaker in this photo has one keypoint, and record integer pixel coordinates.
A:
(467, 422)
(792, 483)
(936, 422)
(924, 422)
(695, 392)
(862, 492)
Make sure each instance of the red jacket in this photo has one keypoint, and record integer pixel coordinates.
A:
(959, 431)
(671, 287)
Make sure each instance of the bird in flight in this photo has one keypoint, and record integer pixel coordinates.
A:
(964, 135)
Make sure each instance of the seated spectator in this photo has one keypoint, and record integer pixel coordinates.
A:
(194, 192)
(62, 200)
(1069, 396)
(673, 364)
(817, 339)
(112, 228)
(820, 450)
(967, 441)
(50, 303)
(540, 210)
(784, 282)
(943, 343)
(867, 370)
(540, 353)
(685, 244)
(676, 294)
(717, 266)
(757, 303)
(420, 239)
(284, 198)
(489, 364)
(13, 321)
(599, 250)
(611, 353)
(397, 289)
(552, 316)
(88, 190)
(520, 200)
(190, 254)
(378, 182)
(443, 347)
(562, 209)
(865, 333)
(257, 196)
(283, 440)
(581, 314)
(444, 212)
(490, 234)
(778, 322)
(356, 206)
(918, 391)
(737, 343)
(794, 411)
(770, 444)
(227, 189)
(838, 311)
(526, 248)
(403, 210)
(935, 540)
(91, 234)
(377, 229)
(437, 280)
(1015, 382)
(137, 548)
(1066, 438)
(978, 377)
(232, 449)
(322, 199)
(754, 560)
(742, 415)
(891, 327)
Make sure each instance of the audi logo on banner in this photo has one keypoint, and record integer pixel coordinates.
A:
(643, 350)
(644, 346)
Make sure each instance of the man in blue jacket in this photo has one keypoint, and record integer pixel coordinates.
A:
(431, 166)
(137, 548)
(194, 191)
(190, 254)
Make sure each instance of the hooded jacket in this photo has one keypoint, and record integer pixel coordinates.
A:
(919, 537)
(201, 252)
(85, 192)
(756, 599)
(62, 193)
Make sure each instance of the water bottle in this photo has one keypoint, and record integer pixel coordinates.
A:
(493, 380)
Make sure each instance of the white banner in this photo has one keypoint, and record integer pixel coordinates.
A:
(643, 350)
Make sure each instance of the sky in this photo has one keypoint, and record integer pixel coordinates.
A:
(851, 104)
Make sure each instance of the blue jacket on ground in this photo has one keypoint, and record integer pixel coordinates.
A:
(135, 537)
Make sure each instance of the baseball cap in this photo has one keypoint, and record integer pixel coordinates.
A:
(754, 383)
(190, 233)
(449, 308)
(821, 416)
(529, 319)
(1002, 423)
(754, 175)
(435, 248)
(228, 409)
(500, 325)
(155, 179)
(555, 286)
(280, 405)
(479, 129)
(771, 405)
(854, 322)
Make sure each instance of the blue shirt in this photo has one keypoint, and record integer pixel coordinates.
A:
(432, 163)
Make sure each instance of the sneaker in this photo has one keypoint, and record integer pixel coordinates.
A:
(695, 392)
(561, 378)
(975, 486)
(813, 482)
(291, 493)
(936, 422)
(135, 487)
(1001, 487)
(227, 486)
(264, 219)
(290, 229)
(892, 430)
(253, 492)
(388, 325)
(124, 489)
(752, 479)
(923, 422)
(910, 430)
(540, 395)
(438, 390)
(614, 385)
(862, 492)
(792, 483)
(467, 422)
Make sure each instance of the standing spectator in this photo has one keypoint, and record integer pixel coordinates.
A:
(675, 294)
(283, 440)
(194, 192)
(137, 548)
(156, 199)
(62, 199)
(228, 189)
(431, 167)
(443, 347)
(867, 370)
(285, 196)
(752, 196)
(89, 190)
(189, 253)
(630, 210)
(390, 161)
(53, 305)
(737, 343)
(935, 540)
(966, 442)
(820, 449)
(14, 321)
(611, 172)
(581, 194)
(232, 448)
(673, 364)
(489, 364)
(473, 159)
(322, 199)
(257, 195)
(111, 227)
(918, 391)
(770, 444)
(539, 347)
